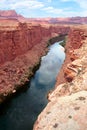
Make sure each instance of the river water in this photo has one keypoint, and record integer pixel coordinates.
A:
(21, 112)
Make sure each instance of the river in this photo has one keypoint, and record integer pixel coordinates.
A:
(21, 111)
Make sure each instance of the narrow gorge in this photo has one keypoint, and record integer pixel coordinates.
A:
(22, 111)
(67, 107)
(21, 47)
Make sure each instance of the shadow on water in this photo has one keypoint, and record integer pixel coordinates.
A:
(21, 112)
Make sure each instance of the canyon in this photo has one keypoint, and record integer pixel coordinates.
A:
(67, 107)
(21, 47)
(22, 44)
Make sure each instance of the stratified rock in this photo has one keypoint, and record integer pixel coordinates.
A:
(76, 39)
(18, 38)
(21, 47)
(69, 74)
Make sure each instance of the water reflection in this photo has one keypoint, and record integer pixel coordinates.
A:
(23, 110)
(50, 66)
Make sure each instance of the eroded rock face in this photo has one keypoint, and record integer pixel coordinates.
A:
(76, 39)
(18, 38)
(21, 47)
(67, 107)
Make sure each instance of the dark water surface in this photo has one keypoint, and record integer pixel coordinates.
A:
(21, 112)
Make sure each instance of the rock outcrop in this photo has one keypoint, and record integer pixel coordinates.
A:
(68, 113)
(21, 47)
(67, 107)
(76, 39)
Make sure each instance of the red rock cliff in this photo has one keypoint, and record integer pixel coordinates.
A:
(75, 40)
(21, 47)
(18, 39)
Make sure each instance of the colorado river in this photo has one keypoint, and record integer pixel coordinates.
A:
(21, 112)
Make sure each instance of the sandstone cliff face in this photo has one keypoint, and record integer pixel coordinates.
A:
(67, 109)
(23, 37)
(21, 47)
(76, 38)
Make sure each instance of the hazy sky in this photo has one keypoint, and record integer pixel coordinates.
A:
(46, 8)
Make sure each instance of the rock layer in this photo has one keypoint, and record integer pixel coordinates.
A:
(67, 109)
(76, 38)
(17, 38)
(21, 47)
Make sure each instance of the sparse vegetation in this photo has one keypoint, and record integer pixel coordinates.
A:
(57, 39)
(63, 43)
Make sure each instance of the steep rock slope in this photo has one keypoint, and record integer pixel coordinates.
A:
(67, 109)
(75, 40)
(17, 38)
(21, 47)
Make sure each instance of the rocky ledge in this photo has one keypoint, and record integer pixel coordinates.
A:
(67, 107)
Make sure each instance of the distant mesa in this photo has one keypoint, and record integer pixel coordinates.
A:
(11, 14)
(8, 13)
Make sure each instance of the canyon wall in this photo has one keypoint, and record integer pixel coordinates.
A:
(21, 47)
(67, 107)
(18, 39)
(74, 41)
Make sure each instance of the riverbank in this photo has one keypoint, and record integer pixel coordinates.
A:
(22, 110)
(16, 74)
(21, 47)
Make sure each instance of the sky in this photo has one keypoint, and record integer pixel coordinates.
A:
(46, 8)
